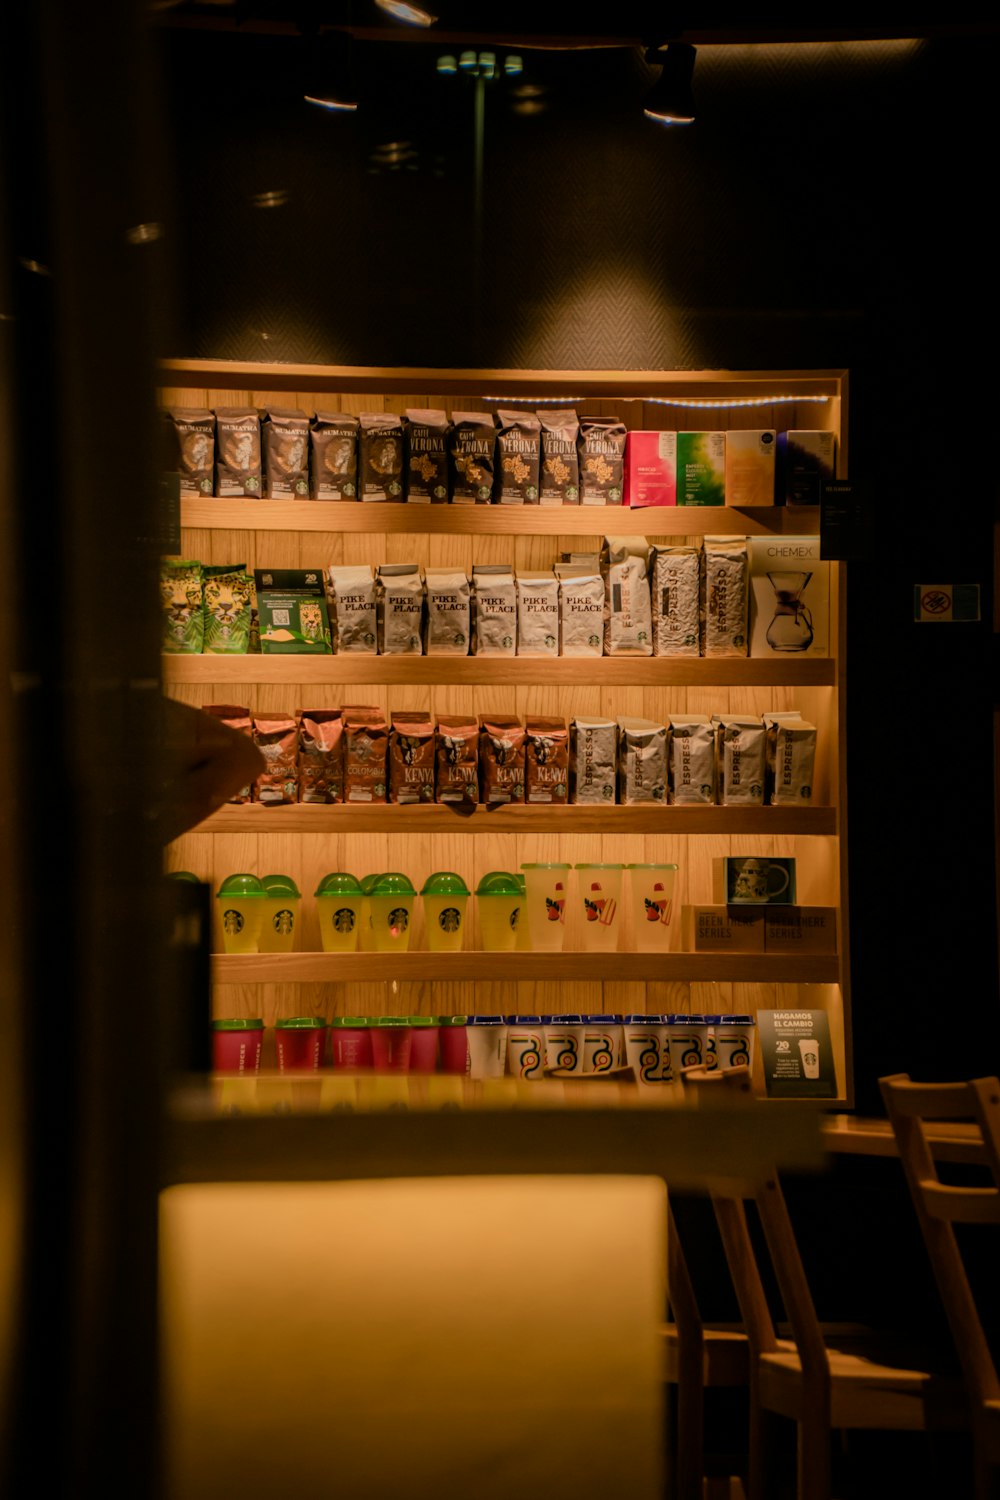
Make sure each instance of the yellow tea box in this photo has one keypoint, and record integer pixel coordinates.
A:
(722, 929)
(750, 466)
(800, 929)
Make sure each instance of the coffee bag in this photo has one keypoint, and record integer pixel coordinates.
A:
(725, 590)
(581, 610)
(494, 610)
(353, 593)
(739, 741)
(228, 597)
(411, 758)
(448, 616)
(559, 479)
(238, 469)
(791, 759)
(593, 760)
(400, 610)
(427, 432)
(190, 448)
(285, 438)
(276, 737)
(546, 771)
(333, 444)
(234, 717)
(380, 456)
(321, 755)
(501, 760)
(457, 755)
(675, 589)
(537, 614)
(471, 453)
(366, 740)
(627, 612)
(642, 762)
(518, 455)
(181, 596)
(692, 760)
(601, 448)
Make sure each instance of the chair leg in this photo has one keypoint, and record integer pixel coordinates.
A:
(689, 1467)
(814, 1458)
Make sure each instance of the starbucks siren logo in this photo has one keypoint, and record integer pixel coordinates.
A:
(450, 920)
(232, 922)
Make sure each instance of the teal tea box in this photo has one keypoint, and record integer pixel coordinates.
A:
(807, 458)
(701, 468)
(753, 880)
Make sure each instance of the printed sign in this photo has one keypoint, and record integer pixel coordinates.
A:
(844, 520)
(796, 1054)
(945, 602)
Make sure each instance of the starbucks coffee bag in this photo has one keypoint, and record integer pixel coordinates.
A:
(537, 614)
(739, 759)
(190, 449)
(457, 760)
(692, 760)
(559, 478)
(471, 455)
(334, 455)
(581, 610)
(593, 760)
(627, 612)
(547, 761)
(400, 610)
(238, 467)
(285, 440)
(642, 762)
(791, 759)
(675, 590)
(411, 758)
(366, 740)
(276, 737)
(518, 457)
(501, 760)
(494, 610)
(725, 595)
(321, 756)
(601, 448)
(234, 717)
(380, 456)
(427, 431)
(354, 598)
(448, 616)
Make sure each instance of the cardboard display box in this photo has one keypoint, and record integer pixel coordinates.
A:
(800, 929)
(723, 929)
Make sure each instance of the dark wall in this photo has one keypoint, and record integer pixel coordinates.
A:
(825, 210)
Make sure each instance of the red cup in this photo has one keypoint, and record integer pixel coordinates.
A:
(300, 1043)
(350, 1043)
(236, 1045)
(391, 1044)
(454, 1045)
(424, 1049)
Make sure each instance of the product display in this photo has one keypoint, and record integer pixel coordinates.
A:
(241, 911)
(366, 744)
(675, 596)
(285, 442)
(740, 743)
(355, 609)
(651, 468)
(601, 447)
(333, 454)
(291, 603)
(627, 611)
(380, 456)
(229, 600)
(427, 431)
(789, 597)
(494, 610)
(725, 591)
(750, 466)
(471, 452)
(537, 614)
(280, 917)
(807, 458)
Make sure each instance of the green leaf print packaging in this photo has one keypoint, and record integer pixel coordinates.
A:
(228, 596)
(181, 585)
(701, 468)
(291, 605)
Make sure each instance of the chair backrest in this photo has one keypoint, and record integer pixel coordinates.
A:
(941, 1205)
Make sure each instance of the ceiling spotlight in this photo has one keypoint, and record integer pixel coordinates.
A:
(670, 100)
(410, 15)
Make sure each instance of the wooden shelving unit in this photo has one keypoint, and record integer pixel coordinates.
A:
(417, 967)
(299, 818)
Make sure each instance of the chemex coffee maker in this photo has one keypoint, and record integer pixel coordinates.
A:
(791, 628)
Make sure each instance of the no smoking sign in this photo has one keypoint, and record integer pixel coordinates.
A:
(945, 602)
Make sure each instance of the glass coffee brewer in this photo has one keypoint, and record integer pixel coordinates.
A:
(791, 628)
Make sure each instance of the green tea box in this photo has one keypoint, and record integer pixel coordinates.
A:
(800, 929)
(722, 929)
(701, 468)
(750, 466)
(291, 605)
(807, 458)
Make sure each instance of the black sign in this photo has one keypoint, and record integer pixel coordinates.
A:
(796, 1054)
(163, 535)
(844, 521)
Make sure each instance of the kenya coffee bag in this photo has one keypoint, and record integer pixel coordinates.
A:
(546, 771)
(411, 758)
(725, 593)
(518, 457)
(537, 614)
(494, 610)
(675, 589)
(427, 432)
(276, 737)
(471, 452)
(190, 449)
(366, 743)
(285, 438)
(321, 755)
(448, 615)
(559, 479)
(400, 610)
(642, 762)
(627, 613)
(355, 610)
(181, 595)
(457, 768)
(238, 718)
(380, 456)
(739, 759)
(501, 760)
(593, 760)
(333, 442)
(238, 468)
(601, 447)
(692, 760)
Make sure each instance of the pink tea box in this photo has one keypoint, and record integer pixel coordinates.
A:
(651, 468)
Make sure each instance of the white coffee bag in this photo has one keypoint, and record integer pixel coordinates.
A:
(351, 594)
(494, 610)
(537, 614)
(593, 760)
(627, 615)
(675, 589)
(400, 609)
(581, 610)
(447, 618)
(642, 761)
(725, 592)
(740, 759)
(692, 760)
(791, 756)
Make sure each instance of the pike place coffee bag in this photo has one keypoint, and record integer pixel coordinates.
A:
(537, 614)
(238, 718)
(642, 762)
(494, 610)
(400, 610)
(285, 439)
(581, 610)
(518, 457)
(238, 468)
(353, 596)
(333, 443)
(559, 478)
(501, 760)
(321, 755)
(601, 448)
(593, 760)
(380, 456)
(448, 615)
(457, 757)
(427, 432)
(546, 771)
(276, 737)
(190, 448)
(366, 743)
(411, 758)
(471, 453)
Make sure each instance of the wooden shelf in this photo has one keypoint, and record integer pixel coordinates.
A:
(508, 671)
(537, 818)
(497, 520)
(415, 967)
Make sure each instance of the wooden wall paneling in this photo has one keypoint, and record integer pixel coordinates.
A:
(668, 997)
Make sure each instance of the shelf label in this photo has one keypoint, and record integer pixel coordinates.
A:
(844, 521)
(796, 1054)
(945, 603)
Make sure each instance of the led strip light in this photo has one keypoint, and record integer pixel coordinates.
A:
(705, 402)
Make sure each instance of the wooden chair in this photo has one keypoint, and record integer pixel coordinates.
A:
(940, 1206)
(820, 1387)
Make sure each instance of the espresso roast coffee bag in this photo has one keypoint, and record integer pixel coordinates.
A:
(601, 448)
(627, 615)
(518, 457)
(593, 760)
(321, 755)
(276, 737)
(692, 760)
(725, 596)
(494, 610)
(238, 718)
(471, 455)
(546, 770)
(457, 760)
(675, 590)
(333, 442)
(642, 762)
(190, 448)
(285, 439)
(791, 759)
(411, 758)
(427, 432)
(501, 760)
(238, 468)
(739, 759)
(366, 743)
(559, 477)
(380, 456)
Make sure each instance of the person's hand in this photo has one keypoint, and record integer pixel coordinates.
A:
(208, 763)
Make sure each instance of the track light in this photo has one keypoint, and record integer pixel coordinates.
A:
(670, 100)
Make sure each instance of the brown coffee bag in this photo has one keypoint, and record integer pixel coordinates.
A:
(457, 756)
(547, 761)
(190, 448)
(380, 456)
(427, 432)
(366, 741)
(334, 455)
(559, 480)
(411, 758)
(501, 760)
(601, 449)
(321, 755)
(234, 717)
(518, 456)
(276, 737)
(238, 469)
(284, 435)
(471, 452)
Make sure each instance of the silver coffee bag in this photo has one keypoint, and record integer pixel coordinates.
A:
(740, 759)
(627, 615)
(537, 614)
(400, 609)
(791, 760)
(593, 760)
(692, 760)
(351, 595)
(642, 761)
(447, 620)
(494, 610)
(725, 592)
(581, 610)
(675, 589)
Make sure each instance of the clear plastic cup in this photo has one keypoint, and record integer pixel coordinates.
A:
(241, 909)
(651, 898)
(392, 897)
(280, 921)
(500, 897)
(338, 907)
(446, 897)
(599, 892)
(300, 1042)
(546, 891)
(236, 1044)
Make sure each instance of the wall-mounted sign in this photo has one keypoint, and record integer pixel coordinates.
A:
(945, 603)
(796, 1053)
(844, 521)
(164, 534)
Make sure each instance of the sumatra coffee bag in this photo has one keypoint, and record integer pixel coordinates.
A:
(559, 480)
(537, 614)
(627, 615)
(739, 758)
(692, 760)
(581, 610)
(593, 760)
(366, 742)
(518, 457)
(494, 610)
(411, 758)
(234, 717)
(448, 616)
(353, 593)
(380, 456)
(238, 469)
(546, 771)
(321, 755)
(285, 438)
(276, 737)
(472, 449)
(190, 448)
(675, 588)
(642, 762)
(601, 447)
(181, 595)
(725, 593)
(501, 760)
(457, 769)
(427, 432)
(333, 446)
(400, 610)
